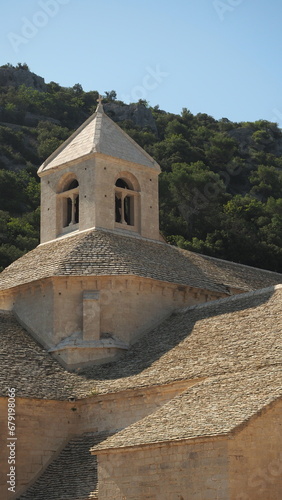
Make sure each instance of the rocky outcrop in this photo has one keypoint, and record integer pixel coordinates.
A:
(14, 77)
(137, 113)
(32, 119)
(245, 138)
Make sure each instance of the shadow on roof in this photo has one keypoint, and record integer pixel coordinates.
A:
(176, 329)
(76, 481)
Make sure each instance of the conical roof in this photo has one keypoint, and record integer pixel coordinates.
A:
(99, 134)
(106, 253)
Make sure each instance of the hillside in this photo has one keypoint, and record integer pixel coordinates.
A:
(221, 182)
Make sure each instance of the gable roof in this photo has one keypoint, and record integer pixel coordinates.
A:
(99, 134)
(211, 408)
(105, 253)
(233, 335)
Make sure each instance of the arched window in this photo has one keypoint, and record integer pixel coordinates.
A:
(125, 203)
(69, 204)
(71, 185)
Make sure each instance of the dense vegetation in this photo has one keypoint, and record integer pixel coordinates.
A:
(220, 187)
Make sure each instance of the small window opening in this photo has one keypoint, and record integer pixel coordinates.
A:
(118, 208)
(69, 211)
(70, 203)
(127, 210)
(122, 184)
(124, 203)
(76, 209)
(72, 185)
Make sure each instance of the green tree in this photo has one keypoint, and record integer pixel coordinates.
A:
(198, 193)
(266, 181)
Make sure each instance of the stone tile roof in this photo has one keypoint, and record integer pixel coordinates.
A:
(28, 367)
(210, 408)
(99, 134)
(98, 252)
(76, 481)
(236, 334)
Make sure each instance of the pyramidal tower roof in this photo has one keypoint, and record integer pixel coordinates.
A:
(98, 134)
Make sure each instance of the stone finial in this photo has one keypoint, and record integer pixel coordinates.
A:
(100, 105)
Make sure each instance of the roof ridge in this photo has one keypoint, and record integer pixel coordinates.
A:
(130, 139)
(231, 298)
(99, 142)
(66, 143)
(217, 259)
(163, 421)
(97, 130)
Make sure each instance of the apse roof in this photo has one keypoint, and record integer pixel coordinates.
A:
(106, 253)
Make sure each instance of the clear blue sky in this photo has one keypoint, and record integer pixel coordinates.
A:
(221, 57)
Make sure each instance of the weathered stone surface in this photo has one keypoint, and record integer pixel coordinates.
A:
(106, 253)
(225, 336)
(72, 475)
(195, 405)
(12, 77)
(138, 114)
(242, 465)
(213, 407)
(99, 134)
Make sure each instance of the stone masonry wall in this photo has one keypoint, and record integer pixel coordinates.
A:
(197, 471)
(43, 427)
(255, 458)
(96, 178)
(118, 410)
(52, 310)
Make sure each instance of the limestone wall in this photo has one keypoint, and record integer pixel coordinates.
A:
(244, 466)
(125, 306)
(166, 472)
(118, 410)
(255, 458)
(43, 427)
(107, 172)
(129, 306)
(33, 305)
(51, 204)
(96, 177)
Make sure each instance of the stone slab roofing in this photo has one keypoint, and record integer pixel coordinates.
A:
(100, 253)
(77, 481)
(233, 335)
(30, 367)
(211, 408)
(99, 134)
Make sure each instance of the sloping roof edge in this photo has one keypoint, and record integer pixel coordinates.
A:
(144, 436)
(98, 115)
(65, 144)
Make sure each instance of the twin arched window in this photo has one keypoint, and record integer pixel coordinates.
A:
(125, 202)
(69, 199)
(71, 215)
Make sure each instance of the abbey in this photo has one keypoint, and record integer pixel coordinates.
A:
(98, 183)
(140, 370)
(102, 262)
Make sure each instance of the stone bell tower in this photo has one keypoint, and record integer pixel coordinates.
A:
(99, 178)
(83, 291)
